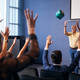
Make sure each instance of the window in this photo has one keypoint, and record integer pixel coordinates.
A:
(3, 14)
(75, 10)
(13, 16)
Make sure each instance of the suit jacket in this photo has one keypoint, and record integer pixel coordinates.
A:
(10, 66)
(58, 68)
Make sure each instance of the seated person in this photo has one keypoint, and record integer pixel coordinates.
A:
(56, 57)
(9, 52)
(10, 66)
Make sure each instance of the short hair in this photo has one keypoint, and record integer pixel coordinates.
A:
(56, 56)
(9, 54)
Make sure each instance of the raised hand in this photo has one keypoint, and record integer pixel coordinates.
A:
(5, 43)
(77, 24)
(65, 23)
(30, 21)
(6, 33)
(48, 41)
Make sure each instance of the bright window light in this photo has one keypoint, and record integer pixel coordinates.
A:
(12, 13)
(3, 14)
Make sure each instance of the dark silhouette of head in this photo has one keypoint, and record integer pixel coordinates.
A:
(56, 56)
(9, 54)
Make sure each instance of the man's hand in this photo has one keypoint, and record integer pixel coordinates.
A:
(48, 41)
(30, 21)
(77, 24)
(65, 23)
(5, 43)
(6, 34)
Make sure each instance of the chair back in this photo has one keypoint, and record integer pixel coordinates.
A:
(10, 77)
(26, 77)
(74, 76)
(29, 71)
(51, 74)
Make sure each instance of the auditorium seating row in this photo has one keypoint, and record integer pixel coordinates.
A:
(49, 75)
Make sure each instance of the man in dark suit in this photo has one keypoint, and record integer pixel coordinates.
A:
(9, 66)
(56, 57)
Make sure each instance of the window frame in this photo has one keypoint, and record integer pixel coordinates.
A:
(20, 24)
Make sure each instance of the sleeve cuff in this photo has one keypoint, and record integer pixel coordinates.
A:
(32, 36)
(78, 49)
(45, 48)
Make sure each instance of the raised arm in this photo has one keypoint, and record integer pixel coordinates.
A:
(11, 48)
(23, 48)
(31, 31)
(65, 30)
(15, 65)
(48, 41)
(45, 53)
(77, 25)
(5, 42)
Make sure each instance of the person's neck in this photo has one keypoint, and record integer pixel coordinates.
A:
(74, 33)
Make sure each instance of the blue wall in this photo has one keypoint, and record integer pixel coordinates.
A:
(47, 23)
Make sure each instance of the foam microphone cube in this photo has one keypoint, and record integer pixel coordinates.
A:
(59, 14)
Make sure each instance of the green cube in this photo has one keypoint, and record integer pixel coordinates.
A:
(59, 14)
